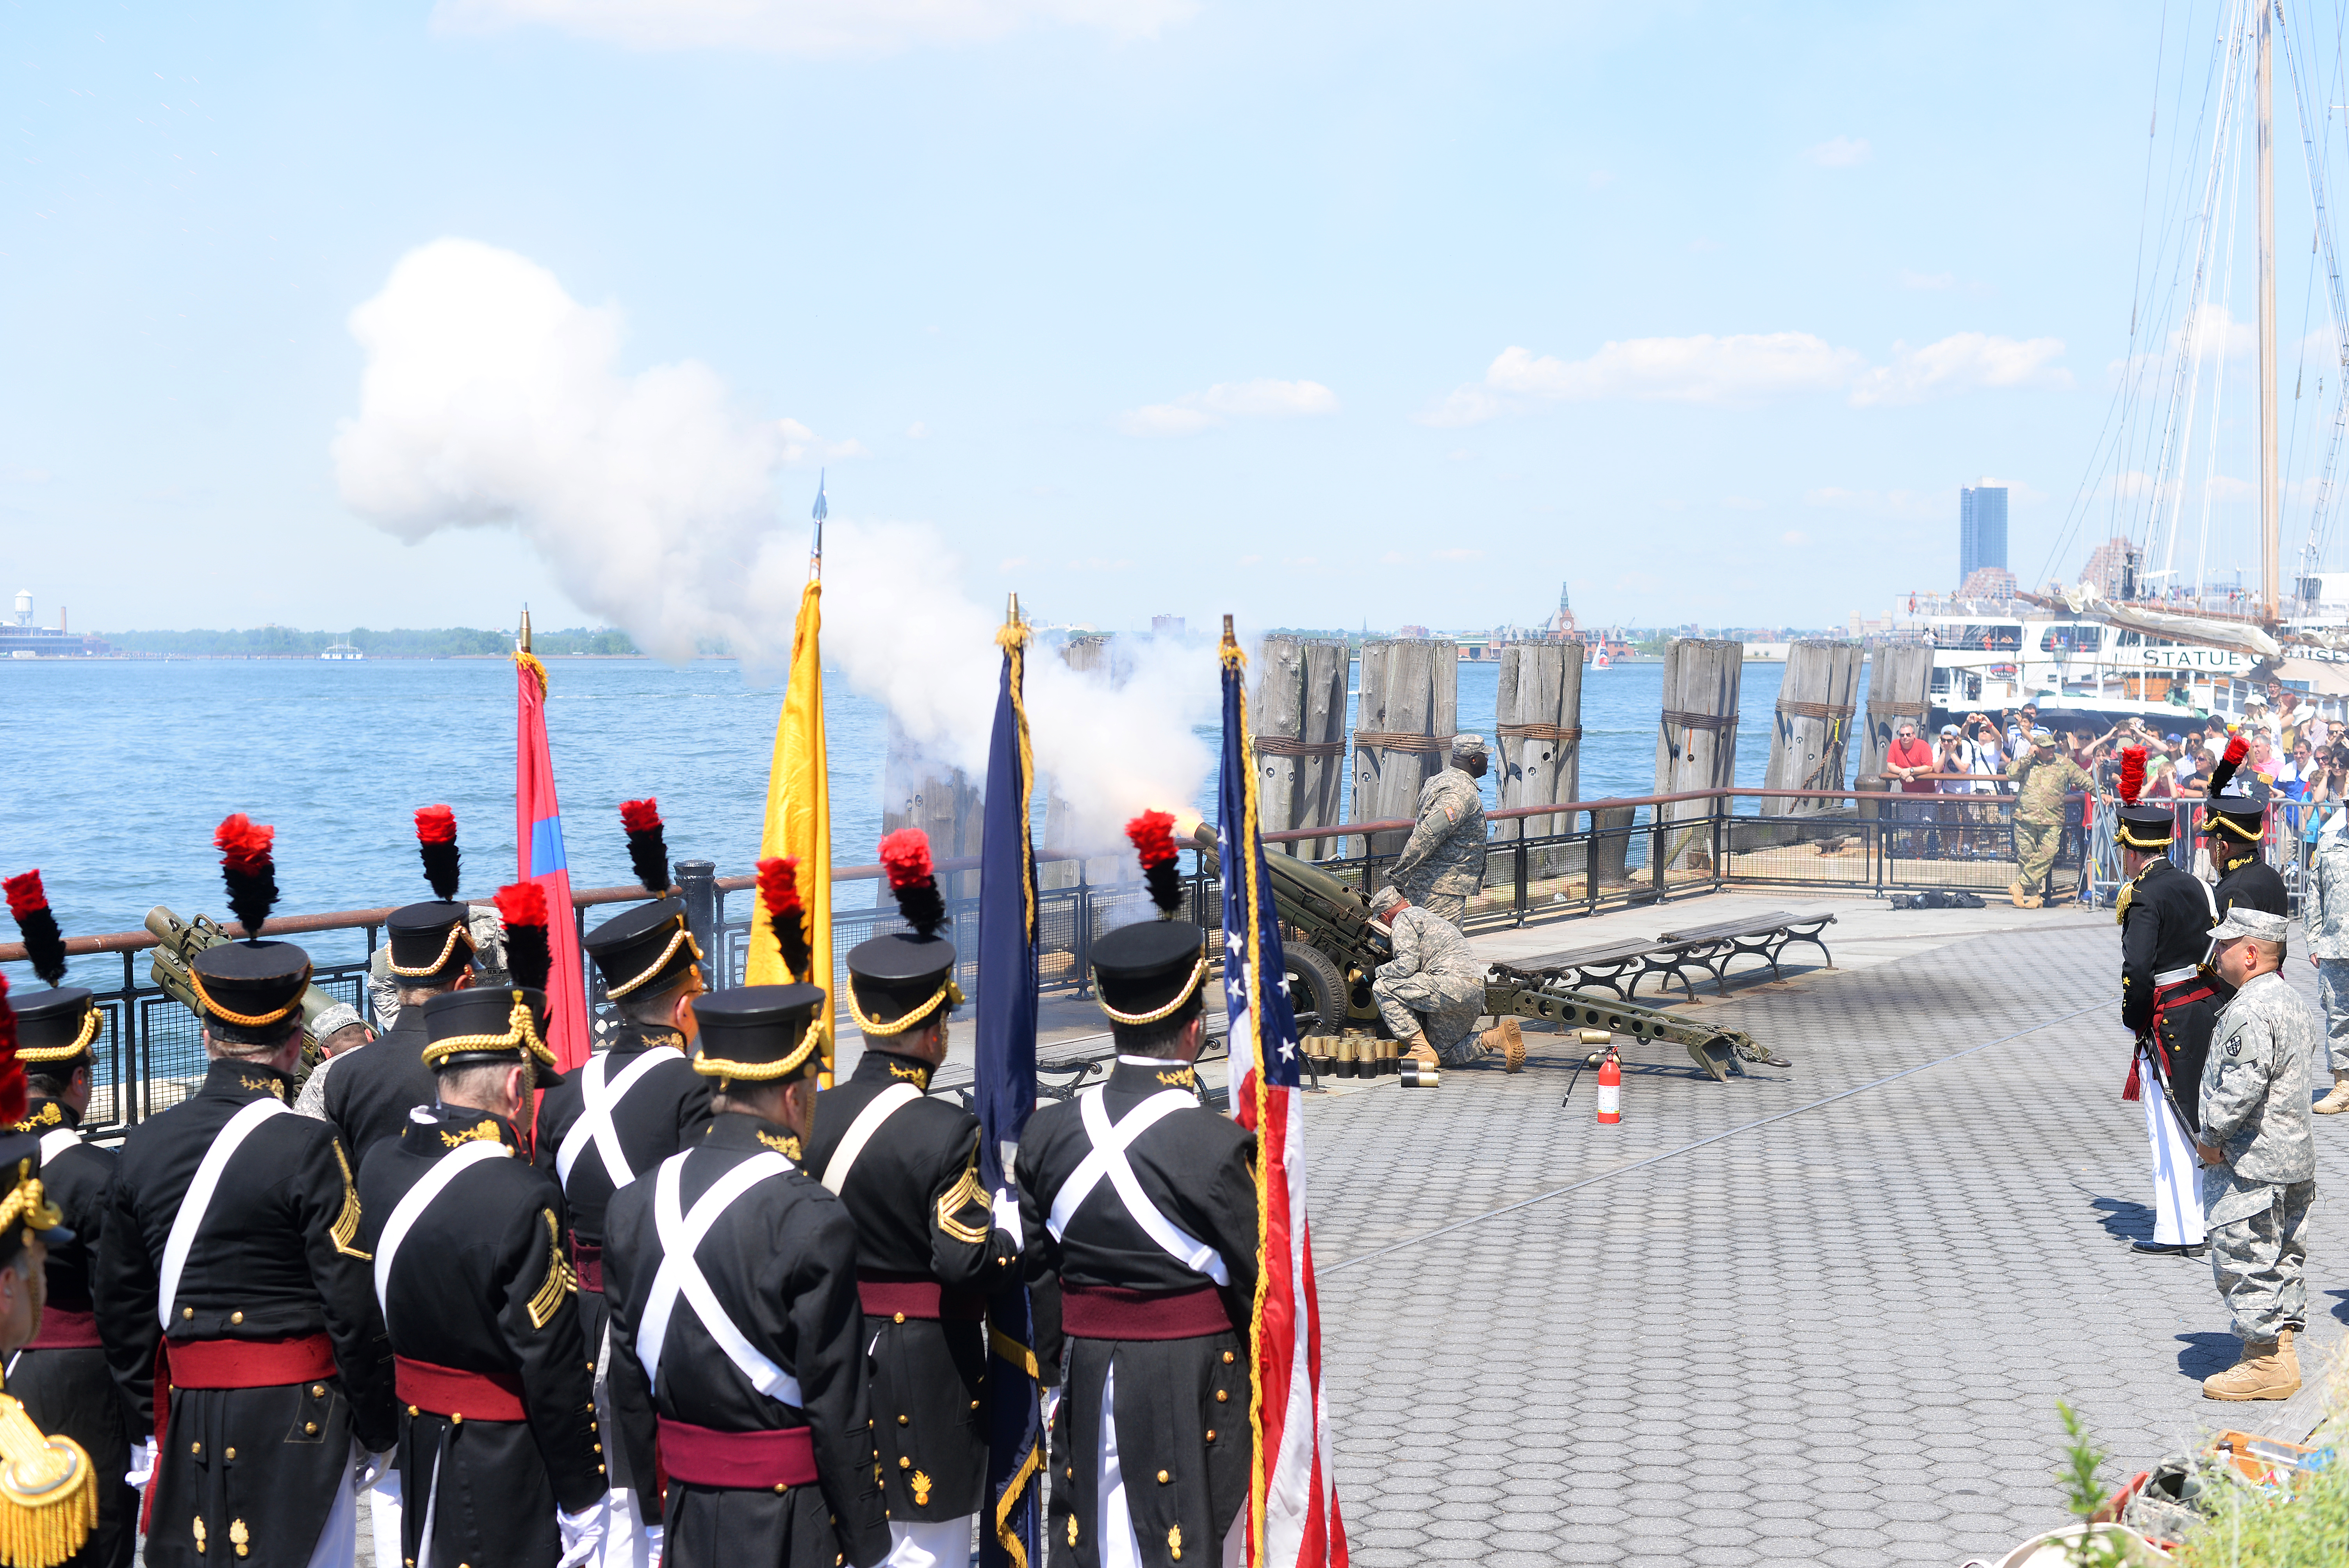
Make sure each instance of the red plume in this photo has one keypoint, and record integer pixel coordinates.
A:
(779, 889)
(435, 825)
(905, 856)
(436, 837)
(1153, 833)
(2223, 774)
(640, 816)
(12, 1071)
(2236, 749)
(529, 959)
(250, 873)
(647, 843)
(522, 903)
(44, 943)
(2132, 774)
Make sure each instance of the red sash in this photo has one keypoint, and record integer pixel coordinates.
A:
(760, 1462)
(450, 1391)
(587, 1262)
(64, 1329)
(1105, 1312)
(904, 1295)
(2177, 994)
(230, 1364)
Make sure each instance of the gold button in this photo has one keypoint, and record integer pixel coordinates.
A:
(1211, 1434)
(187, 1311)
(901, 1318)
(457, 1419)
(974, 1404)
(414, 1411)
(1228, 1358)
(1221, 1395)
(317, 1390)
(1164, 1478)
(599, 1447)
(236, 1317)
(781, 1489)
(903, 1463)
(232, 1453)
(311, 1427)
(196, 1448)
(1072, 1472)
(903, 1421)
(599, 1469)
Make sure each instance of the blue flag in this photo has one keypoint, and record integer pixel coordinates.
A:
(1006, 1092)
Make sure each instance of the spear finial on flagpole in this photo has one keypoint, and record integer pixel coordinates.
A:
(815, 552)
(1014, 633)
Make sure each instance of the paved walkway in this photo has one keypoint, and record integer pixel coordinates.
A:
(1820, 1314)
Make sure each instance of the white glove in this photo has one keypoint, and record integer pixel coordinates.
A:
(653, 1535)
(583, 1532)
(1007, 1216)
(142, 1464)
(380, 1473)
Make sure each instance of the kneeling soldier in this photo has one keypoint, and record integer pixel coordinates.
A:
(737, 1338)
(927, 1250)
(61, 1375)
(234, 1300)
(1142, 1201)
(499, 1455)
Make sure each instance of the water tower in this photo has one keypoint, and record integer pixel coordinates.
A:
(24, 606)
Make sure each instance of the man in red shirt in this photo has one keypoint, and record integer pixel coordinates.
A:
(1910, 760)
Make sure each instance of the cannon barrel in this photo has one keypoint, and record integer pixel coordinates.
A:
(1334, 916)
(178, 943)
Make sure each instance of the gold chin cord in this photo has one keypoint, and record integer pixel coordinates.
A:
(949, 992)
(1198, 973)
(48, 1492)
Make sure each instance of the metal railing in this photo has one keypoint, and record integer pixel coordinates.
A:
(1610, 854)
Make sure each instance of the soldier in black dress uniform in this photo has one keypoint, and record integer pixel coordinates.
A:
(61, 1375)
(1141, 1202)
(737, 1338)
(2167, 1004)
(926, 1248)
(2233, 826)
(499, 1446)
(370, 1093)
(233, 1297)
(50, 1486)
(631, 1105)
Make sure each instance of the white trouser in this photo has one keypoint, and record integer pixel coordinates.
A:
(945, 1543)
(382, 1507)
(339, 1538)
(1119, 1546)
(625, 1545)
(2177, 1178)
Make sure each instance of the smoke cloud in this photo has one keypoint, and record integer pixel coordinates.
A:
(492, 399)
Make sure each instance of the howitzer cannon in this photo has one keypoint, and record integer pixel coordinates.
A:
(1329, 974)
(178, 943)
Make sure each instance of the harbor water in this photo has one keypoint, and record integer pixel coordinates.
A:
(120, 770)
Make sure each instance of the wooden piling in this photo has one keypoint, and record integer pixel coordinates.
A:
(1538, 716)
(1102, 659)
(1403, 726)
(1813, 733)
(1298, 714)
(1696, 743)
(915, 792)
(1899, 677)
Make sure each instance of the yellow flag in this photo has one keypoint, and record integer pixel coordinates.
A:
(799, 818)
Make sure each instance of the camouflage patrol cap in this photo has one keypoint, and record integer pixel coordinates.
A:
(2256, 923)
(2043, 737)
(1467, 745)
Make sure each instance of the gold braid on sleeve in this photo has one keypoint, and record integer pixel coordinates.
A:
(560, 1282)
(347, 1224)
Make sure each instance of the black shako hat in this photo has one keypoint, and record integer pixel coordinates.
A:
(899, 981)
(431, 944)
(644, 948)
(1150, 971)
(55, 1025)
(2147, 827)
(759, 1033)
(251, 984)
(2236, 817)
(486, 1024)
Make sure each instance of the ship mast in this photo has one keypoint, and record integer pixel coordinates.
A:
(2270, 599)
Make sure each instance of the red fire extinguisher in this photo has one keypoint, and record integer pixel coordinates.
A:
(1610, 1089)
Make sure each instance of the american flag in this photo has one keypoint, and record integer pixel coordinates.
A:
(1293, 1517)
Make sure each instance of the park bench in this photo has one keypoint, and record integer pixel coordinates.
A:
(1620, 966)
(1603, 966)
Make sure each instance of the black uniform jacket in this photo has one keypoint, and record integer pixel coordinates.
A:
(2254, 883)
(278, 1258)
(2165, 927)
(482, 1282)
(662, 1112)
(368, 1097)
(1181, 1405)
(782, 1262)
(71, 1390)
(921, 1217)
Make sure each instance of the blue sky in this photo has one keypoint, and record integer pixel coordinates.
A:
(1301, 311)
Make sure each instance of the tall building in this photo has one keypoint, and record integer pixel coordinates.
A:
(1981, 528)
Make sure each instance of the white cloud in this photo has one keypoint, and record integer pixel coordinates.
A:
(1740, 369)
(917, 431)
(1466, 405)
(806, 26)
(1842, 152)
(1910, 280)
(1794, 537)
(1259, 399)
(1961, 362)
(1741, 503)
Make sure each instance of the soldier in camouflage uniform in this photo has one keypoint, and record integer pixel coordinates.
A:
(1433, 990)
(2324, 911)
(1443, 865)
(2259, 1156)
(2044, 774)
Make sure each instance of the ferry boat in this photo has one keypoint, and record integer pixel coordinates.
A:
(343, 651)
(2081, 674)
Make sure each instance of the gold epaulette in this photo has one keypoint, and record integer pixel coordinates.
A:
(48, 1492)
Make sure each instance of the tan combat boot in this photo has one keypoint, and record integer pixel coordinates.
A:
(2033, 902)
(2268, 1370)
(1508, 1041)
(2336, 1103)
(2015, 895)
(1420, 1051)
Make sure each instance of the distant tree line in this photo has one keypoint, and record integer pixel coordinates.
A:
(444, 641)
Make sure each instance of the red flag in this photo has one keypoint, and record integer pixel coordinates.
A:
(538, 855)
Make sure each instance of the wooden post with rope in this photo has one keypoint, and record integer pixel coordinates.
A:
(1897, 676)
(1299, 717)
(1696, 745)
(1402, 730)
(1537, 719)
(916, 792)
(1809, 743)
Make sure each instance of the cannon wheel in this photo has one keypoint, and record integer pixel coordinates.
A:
(1317, 991)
